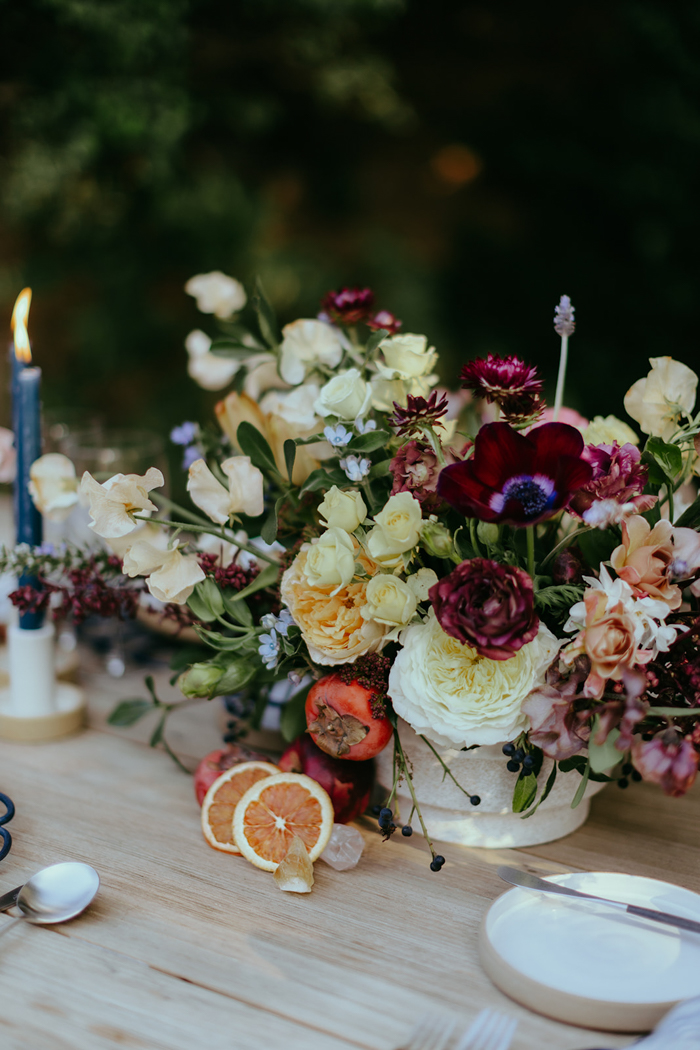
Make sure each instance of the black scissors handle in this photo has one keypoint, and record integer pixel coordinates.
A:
(5, 819)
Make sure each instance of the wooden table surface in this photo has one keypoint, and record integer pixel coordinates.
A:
(186, 948)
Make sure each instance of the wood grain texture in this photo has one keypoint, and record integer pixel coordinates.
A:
(207, 945)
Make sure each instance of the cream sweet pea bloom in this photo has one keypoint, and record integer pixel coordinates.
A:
(389, 601)
(306, 344)
(53, 486)
(113, 503)
(457, 698)
(217, 294)
(342, 510)
(8, 456)
(330, 561)
(346, 396)
(245, 490)
(657, 401)
(421, 582)
(208, 370)
(406, 357)
(397, 529)
(172, 576)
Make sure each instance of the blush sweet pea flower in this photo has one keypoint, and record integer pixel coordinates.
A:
(172, 576)
(208, 370)
(217, 294)
(244, 495)
(53, 486)
(657, 401)
(306, 344)
(113, 504)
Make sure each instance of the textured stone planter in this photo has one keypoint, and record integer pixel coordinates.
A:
(450, 817)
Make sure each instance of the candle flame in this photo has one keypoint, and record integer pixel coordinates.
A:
(23, 350)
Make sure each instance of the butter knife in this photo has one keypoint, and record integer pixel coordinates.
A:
(9, 899)
(516, 877)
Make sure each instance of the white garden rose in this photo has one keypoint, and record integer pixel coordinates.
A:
(406, 357)
(657, 401)
(305, 345)
(217, 294)
(456, 697)
(397, 529)
(389, 601)
(346, 396)
(330, 561)
(342, 509)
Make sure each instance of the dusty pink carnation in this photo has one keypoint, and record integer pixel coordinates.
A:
(415, 469)
(487, 606)
(558, 724)
(668, 759)
(618, 474)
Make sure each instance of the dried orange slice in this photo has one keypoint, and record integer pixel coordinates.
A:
(274, 810)
(221, 799)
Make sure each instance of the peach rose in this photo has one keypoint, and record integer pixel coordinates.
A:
(608, 641)
(331, 624)
(643, 558)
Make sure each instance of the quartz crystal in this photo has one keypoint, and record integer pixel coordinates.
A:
(344, 847)
(296, 872)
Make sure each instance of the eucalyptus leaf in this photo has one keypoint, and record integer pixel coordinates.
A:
(581, 790)
(603, 756)
(547, 788)
(252, 443)
(290, 452)
(266, 315)
(127, 712)
(524, 792)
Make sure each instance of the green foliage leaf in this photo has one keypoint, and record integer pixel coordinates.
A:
(266, 315)
(524, 792)
(668, 457)
(199, 608)
(580, 791)
(290, 452)
(690, 518)
(220, 641)
(603, 756)
(127, 712)
(157, 734)
(270, 525)
(374, 340)
(293, 718)
(211, 595)
(252, 443)
(323, 479)
(581, 764)
(230, 348)
(547, 788)
(598, 544)
(558, 597)
(266, 578)
(369, 442)
(238, 611)
(380, 470)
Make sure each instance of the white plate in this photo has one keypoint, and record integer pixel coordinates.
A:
(583, 963)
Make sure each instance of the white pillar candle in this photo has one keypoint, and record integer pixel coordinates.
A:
(32, 674)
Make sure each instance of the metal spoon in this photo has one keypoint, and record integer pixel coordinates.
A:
(56, 894)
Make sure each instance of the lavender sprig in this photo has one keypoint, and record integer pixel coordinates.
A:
(564, 325)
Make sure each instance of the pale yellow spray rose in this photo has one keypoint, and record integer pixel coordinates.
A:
(657, 401)
(330, 561)
(397, 529)
(345, 396)
(389, 600)
(305, 345)
(406, 357)
(604, 430)
(53, 486)
(342, 509)
(113, 503)
(217, 294)
(244, 495)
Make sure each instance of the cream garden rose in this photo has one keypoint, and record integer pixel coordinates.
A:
(346, 396)
(53, 486)
(406, 357)
(330, 561)
(342, 509)
(457, 698)
(396, 530)
(389, 600)
(306, 344)
(657, 401)
(603, 430)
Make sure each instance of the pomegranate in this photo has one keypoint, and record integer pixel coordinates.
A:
(217, 762)
(348, 785)
(346, 719)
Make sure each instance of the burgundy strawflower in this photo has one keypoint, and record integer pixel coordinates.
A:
(668, 759)
(558, 711)
(507, 381)
(618, 474)
(384, 319)
(488, 606)
(349, 305)
(516, 478)
(419, 412)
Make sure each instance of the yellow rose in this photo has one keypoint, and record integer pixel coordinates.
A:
(397, 529)
(456, 697)
(331, 622)
(342, 510)
(604, 430)
(330, 561)
(657, 401)
(389, 601)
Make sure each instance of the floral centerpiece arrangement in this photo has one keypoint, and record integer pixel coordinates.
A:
(487, 569)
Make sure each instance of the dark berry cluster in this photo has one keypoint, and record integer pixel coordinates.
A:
(517, 757)
(233, 577)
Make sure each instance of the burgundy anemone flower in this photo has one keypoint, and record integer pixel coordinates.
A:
(384, 319)
(349, 305)
(512, 384)
(488, 606)
(516, 478)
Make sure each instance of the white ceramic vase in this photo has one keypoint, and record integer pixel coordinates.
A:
(450, 817)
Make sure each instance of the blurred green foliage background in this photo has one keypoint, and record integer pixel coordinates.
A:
(471, 161)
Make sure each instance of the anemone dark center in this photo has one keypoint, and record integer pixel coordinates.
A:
(532, 496)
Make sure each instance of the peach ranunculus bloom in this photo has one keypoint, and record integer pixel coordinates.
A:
(650, 559)
(331, 624)
(276, 429)
(609, 641)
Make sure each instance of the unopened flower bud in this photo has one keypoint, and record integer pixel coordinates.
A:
(487, 533)
(200, 680)
(436, 539)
